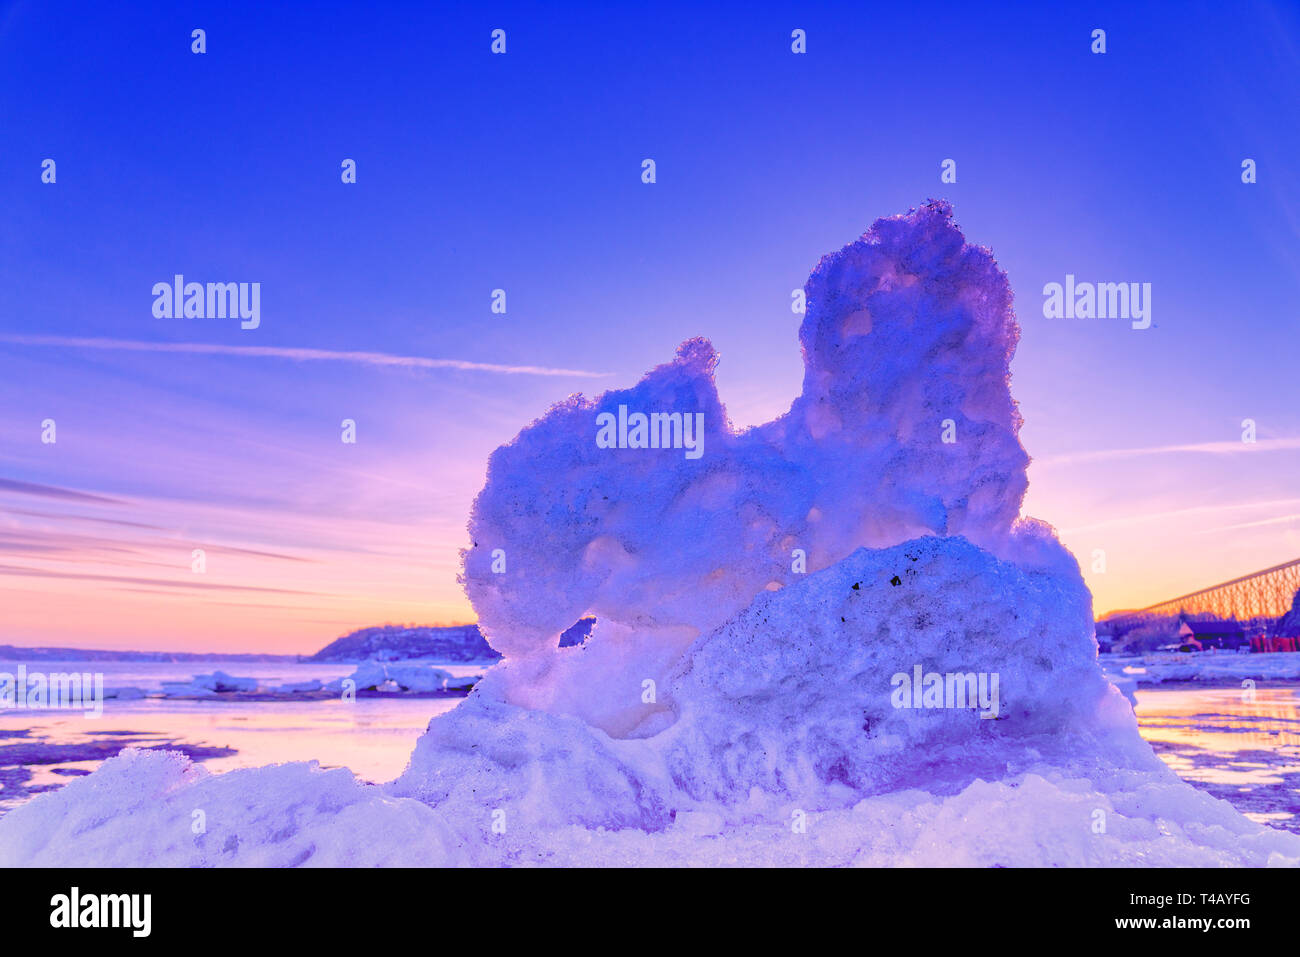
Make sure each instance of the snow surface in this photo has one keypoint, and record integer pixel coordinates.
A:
(1223, 667)
(144, 808)
(728, 709)
(405, 676)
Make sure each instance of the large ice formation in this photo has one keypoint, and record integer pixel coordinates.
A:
(756, 607)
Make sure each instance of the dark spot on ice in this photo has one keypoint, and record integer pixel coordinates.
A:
(857, 585)
(895, 581)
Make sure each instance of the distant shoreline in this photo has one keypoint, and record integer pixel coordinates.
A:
(388, 642)
(16, 653)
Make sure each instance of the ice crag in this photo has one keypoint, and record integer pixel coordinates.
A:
(738, 699)
(908, 331)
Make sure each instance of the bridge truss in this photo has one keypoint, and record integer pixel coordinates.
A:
(1262, 594)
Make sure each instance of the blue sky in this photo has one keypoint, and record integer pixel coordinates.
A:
(522, 172)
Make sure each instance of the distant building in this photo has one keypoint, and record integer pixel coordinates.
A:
(1200, 635)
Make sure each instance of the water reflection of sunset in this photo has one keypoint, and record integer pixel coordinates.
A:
(1237, 749)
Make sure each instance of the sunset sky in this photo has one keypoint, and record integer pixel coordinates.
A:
(522, 172)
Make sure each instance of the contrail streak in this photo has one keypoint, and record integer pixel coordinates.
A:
(296, 354)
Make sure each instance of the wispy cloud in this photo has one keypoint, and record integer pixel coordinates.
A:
(62, 517)
(54, 491)
(1208, 448)
(295, 354)
(1279, 520)
(1177, 513)
(20, 571)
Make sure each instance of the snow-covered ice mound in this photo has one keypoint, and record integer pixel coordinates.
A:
(779, 743)
(764, 608)
(797, 695)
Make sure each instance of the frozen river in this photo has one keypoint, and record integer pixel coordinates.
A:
(1244, 749)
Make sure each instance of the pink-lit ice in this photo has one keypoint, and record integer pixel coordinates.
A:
(737, 701)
